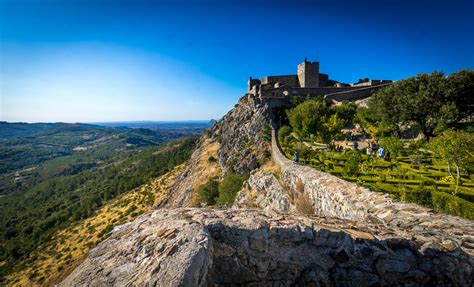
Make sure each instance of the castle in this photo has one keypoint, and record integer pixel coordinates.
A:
(307, 83)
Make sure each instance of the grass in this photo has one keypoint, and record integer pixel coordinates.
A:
(205, 169)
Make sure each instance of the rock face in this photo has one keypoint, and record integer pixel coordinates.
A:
(244, 135)
(205, 247)
(238, 142)
(264, 191)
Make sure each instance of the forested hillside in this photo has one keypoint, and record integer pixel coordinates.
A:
(64, 173)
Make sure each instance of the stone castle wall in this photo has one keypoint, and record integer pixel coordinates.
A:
(352, 95)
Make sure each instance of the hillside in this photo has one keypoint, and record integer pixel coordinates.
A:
(356, 236)
(65, 173)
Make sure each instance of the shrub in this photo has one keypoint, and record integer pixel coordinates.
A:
(266, 133)
(208, 192)
(453, 205)
(415, 159)
(263, 157)
(351, 167)
(393, 144)
(299, 186)
(211, 159)
(283, 133)
(228, 188)
(420, 196)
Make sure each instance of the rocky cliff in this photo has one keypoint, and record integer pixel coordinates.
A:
(289, 225)
(239, 142)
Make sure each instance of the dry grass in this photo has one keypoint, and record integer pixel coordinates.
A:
(272, 167)
(303, 204)
(299, 198)
(299, 186)
(250, 198)
(205, 169)
(50, 263)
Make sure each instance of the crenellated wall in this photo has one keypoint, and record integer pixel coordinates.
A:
(335, 197)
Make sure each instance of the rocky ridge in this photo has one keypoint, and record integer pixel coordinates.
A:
(208, 247)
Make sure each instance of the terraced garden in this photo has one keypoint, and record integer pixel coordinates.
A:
(417, 176)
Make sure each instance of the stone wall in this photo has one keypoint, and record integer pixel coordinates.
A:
(291, 80)
(352, 95)
(212, 247)
(334, 197)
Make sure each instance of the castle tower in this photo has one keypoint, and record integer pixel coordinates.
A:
(308, 74)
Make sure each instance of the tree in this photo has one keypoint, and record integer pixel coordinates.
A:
(460, 90)
(433, 102)
(331, 128)
(455, 148)
(305, 118)
(345, 111)
(317, 117)
(283, 133)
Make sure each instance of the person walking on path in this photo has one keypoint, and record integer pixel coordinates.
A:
(296, 157)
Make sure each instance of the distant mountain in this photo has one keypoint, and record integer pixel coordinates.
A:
(158, 125)
(14, 130)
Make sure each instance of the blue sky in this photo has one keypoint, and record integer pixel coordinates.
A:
(90, 61)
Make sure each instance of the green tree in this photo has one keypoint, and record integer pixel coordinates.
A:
(433, 102)
(331, 128)
(455, 148)
(460, 90)
(351, 166)
(345, 111)
(318, 118)
(283, 133)
(306, 118)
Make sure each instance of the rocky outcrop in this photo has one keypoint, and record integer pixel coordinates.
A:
(263, 190)
(244, 135)
(239, 142)
(205, 247)
(335, 197)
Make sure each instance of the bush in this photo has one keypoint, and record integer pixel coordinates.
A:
(450, 204)
(208, 192)
(351, 167)
(415, 159)
(283, 133)
(228, 188)
(211, 159)
(420, 196)
(393, 144)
